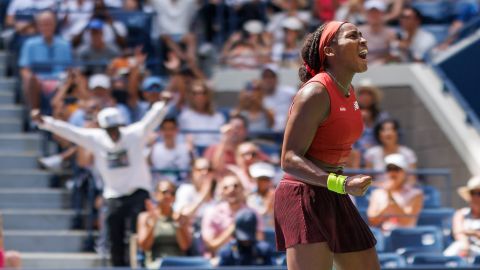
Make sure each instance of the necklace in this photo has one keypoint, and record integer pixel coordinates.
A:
(346, 91)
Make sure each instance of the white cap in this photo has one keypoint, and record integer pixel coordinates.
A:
(472, 184)
(292, 23)
(99, 80)
(110, 117)
(261, 169)
(253, 26)
(398, 160)
(375, 4)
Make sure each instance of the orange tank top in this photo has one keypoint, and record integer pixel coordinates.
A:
(334, 137)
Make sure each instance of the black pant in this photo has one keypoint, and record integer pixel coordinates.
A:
(122, 215)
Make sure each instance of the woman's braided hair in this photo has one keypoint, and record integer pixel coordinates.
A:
(310, 55)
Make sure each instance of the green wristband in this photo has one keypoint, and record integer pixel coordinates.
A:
(336, 183)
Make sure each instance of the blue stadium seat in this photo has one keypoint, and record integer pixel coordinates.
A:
(438, 260)
(431, 197)
(476, 260)
(391, 260)
(381, 244)
(440, 217)
(434, 11)
(199, 262)
(425, 238)
(270, 236)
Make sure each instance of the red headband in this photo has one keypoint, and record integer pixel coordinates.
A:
(327, 36)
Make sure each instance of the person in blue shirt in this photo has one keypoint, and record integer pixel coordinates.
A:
(42, 59)
(244, 249)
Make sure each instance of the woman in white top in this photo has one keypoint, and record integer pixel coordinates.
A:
(466, 222)
(200, 115)
(395, 204)
(386, 133)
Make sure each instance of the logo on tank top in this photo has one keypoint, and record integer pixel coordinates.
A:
(343, 109)
(355, 105)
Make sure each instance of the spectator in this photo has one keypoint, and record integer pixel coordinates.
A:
(173, 23)
(71, 12)
(369, 98)
(466, 222)
(232, 134)
(100, 86)
(276, 97)
(119, 158)
(20, 14)
(170, 153)
(9, 259)
(244, 249)
(324, 10)
(200, 115)
(42, 60)
(218, 223)
(378, 34)
(386, 135)
(214, 20)
(194, 197)
(395, 204)
(114, 32)
(291, 8)
(98, 54)
(287, 52)
(350, 11)
(250, 105)
(394, 10)
(161, 232)
(246, 154)
(151, 88)
(263, 197)
(413, 42)
(248, 49)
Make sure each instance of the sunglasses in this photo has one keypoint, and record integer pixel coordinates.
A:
(251, 153)
(165, 192)
(235, 186)
(208, 169)
(475, 193)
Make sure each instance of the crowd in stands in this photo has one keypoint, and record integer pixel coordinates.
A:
(124, 88)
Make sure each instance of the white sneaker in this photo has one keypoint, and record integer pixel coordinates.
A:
(51, 163)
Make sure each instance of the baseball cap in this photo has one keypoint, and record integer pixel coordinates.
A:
(375, 4)
(398, 160)
(253, 26)
(110, 117)
(261, 169)
(245, 225)
(95, 24)
(99, 80)
(292, 23)
(153, 84)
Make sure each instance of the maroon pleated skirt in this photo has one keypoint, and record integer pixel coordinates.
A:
(306, 214)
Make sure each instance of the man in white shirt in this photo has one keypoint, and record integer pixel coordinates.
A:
(277, 98)
(119, 158)
(414, 42)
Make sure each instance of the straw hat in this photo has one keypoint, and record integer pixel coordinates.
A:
(472, 184)
(367, 85)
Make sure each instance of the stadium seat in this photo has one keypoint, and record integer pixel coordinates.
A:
(380, 246)
(391, 260)
(440, 217)
(198, 262)
(476, 260)
(424, 238)
(431, 197)
(438, 260)
(434, 11)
